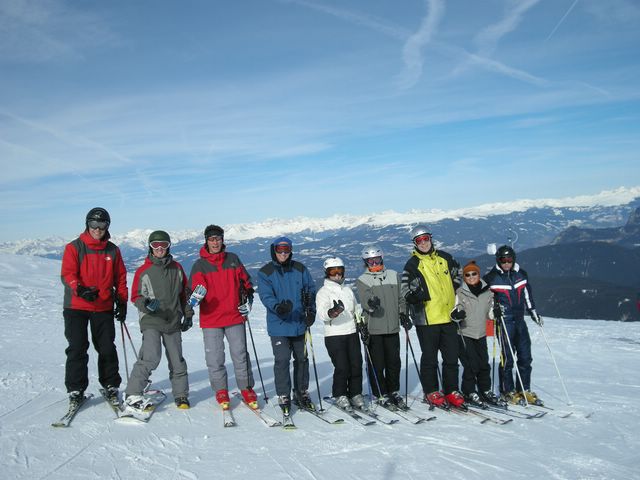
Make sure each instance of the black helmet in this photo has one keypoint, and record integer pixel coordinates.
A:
(505, 251)
(98, 214)
(159, 236)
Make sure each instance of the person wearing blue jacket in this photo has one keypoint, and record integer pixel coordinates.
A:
(288, 292)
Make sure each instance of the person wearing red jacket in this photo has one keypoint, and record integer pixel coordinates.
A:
(223, 311)
(94, 277)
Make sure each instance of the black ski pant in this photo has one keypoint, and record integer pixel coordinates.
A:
(385, 357)
(434, 338)
(518, 337)
(475, 360)
(103, 335)
(346, 356)
(283, 348)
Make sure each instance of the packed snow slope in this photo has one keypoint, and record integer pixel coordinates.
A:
(598, 360)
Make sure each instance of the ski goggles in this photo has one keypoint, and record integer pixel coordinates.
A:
(158, 244)
(422, 238)
(331, 271)
(505, 259)
(471, 274)
(282, 248)
(374, 261)
(96, 225)
(214, 238)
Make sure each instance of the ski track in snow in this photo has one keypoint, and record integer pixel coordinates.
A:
(598, 360)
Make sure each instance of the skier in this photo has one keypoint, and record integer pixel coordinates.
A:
(94, 276)
(287, 291)
(336, 306)
(474, 305)
(159, 291)
(223, 311)
(428, 285)
(384, 308)
(510, 286)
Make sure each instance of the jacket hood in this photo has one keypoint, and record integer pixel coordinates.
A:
(279, 241)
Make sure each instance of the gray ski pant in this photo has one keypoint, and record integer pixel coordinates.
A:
(149, 359)
(215, 357)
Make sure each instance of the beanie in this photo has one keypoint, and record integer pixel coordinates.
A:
(471, 267)
(213, 231)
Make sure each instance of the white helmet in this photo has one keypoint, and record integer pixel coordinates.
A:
(333, 262)
(372, 251)
(419, 230)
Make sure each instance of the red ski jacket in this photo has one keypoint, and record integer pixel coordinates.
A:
(222, 274)
(93, 263)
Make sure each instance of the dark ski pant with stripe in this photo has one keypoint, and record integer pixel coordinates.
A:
(283, 348)
(521, 344)
(103, 335)
(385, 356)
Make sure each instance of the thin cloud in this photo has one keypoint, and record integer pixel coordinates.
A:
(488, 39)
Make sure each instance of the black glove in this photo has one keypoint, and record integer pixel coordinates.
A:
(309, 317)
(536, 318)
(120, 312)
(284, 308)
(405, 321)
(457, 315)
(187, 323)
(364, 332)
(416, 293)
(497, 311)
(337, 309)
(373, 303)
(151, 304)
(90, 294)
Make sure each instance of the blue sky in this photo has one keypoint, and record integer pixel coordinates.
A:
(179, 114)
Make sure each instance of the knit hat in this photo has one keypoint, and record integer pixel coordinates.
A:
(213, 231)
(471, 267)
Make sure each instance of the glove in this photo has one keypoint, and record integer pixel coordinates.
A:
(457, 315)
(337, 309)
(244, 308)
(374, 304)
(187, 323)
(364, 333)
(416, 293)
(284, 308)
(197, 295)
(90, 294)
(536, 318)
(309, 317)
(498, 311)
(151, 304)
(120, 312)
(405, 321)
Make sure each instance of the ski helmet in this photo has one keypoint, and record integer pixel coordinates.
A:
(98, 214)
(419, 230)
(159, 236)
(333, 262)
(505, 251)
(369, 256)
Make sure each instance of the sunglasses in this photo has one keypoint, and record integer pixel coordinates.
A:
(96, 225)
(372, 262)
(331, 271)
(160, 244)
(282, 249)
(505, 260)
(471, 274)
(422, 238)
(214, 238)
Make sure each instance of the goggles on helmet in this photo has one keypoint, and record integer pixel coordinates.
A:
(157, 244)
(425, 237)
(373, 261)
(505, 259)
(97, 225)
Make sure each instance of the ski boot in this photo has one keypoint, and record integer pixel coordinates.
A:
(75, 398)
(357, 402)
(474, 399)
(435, 399)
(112, 395)
(222, 397)
(387, 402)
(285, 404)
(303, 400)
(343, 403)
(492, 399)
(514, 398)
(455, 399)
(532, 398)
(250, 397)
(136, 405)
(182, 403)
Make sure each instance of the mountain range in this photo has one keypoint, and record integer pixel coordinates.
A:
(582, 254)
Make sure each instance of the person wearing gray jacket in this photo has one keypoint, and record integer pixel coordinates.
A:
(383, 307)
(160, 293)
(474, 305)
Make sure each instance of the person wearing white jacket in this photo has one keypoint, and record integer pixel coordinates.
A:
(336, 306)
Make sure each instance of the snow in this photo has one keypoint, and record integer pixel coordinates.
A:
(598, 360)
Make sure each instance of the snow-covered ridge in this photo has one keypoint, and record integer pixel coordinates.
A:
(275, 226)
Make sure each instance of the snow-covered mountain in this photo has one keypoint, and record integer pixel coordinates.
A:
(597, 360)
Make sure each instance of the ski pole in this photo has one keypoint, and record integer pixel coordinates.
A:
(315, 369)
(255, 355)
(406, 331)
(556, 365)
(124, 350)
(513, 357)
(367, 354)
(126, 329)
(406, 371)
(493, 366)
